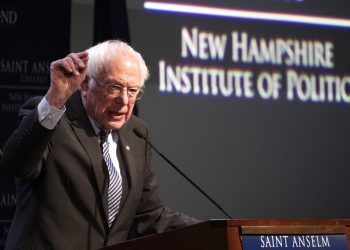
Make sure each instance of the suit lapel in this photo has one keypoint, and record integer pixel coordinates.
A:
(85, 133)
(126, 150)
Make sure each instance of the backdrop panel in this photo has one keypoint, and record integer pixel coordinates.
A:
(33, 33)
(251, 100)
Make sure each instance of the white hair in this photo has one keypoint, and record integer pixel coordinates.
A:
(103, 53)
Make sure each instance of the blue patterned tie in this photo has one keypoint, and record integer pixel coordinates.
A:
(115, 180)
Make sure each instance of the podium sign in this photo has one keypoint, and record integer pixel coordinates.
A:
(294, 242)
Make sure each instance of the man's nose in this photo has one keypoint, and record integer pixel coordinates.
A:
(123, 97)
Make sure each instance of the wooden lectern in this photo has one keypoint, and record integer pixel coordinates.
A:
(228, 234)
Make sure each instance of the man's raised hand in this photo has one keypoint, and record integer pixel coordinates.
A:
(66, 74)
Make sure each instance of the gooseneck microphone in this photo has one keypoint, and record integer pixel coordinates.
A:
(141, 135)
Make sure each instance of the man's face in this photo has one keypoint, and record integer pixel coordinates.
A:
(110, 110)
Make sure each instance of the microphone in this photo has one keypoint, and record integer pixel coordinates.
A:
(141, 135)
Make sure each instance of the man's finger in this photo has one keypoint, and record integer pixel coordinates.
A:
(79, 59)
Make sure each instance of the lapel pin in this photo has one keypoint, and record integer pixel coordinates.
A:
(127, 147)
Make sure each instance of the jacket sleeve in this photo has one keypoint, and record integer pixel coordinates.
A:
(28, 145)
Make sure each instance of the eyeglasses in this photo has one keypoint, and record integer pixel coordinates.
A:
(115, 90)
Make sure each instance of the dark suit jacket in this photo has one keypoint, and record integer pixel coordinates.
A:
(61, 183)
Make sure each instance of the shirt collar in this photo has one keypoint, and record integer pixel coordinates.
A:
(97, 128)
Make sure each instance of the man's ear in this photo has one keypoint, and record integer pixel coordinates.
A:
(85, 85)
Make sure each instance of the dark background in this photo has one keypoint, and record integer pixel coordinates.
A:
(32, 34)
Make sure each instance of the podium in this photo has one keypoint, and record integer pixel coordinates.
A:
(243, 234)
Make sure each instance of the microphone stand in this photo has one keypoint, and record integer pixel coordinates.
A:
(138, 133)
